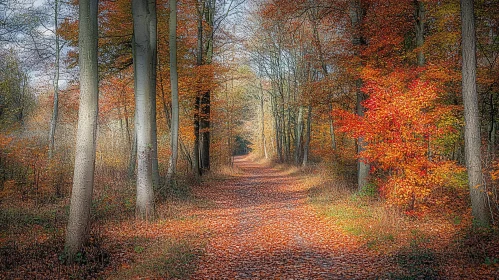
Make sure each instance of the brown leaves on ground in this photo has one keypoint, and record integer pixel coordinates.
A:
(259, 223)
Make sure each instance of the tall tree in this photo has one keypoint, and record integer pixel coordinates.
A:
(153, 23)
(472, 139)
(205, 101)
(420, 15)
(143, 61)
(172, 169)
(55, 109)
(83, 179)
(196, 160)
(356, 15)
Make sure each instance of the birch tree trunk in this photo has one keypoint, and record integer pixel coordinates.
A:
(143, 62)
(83, 178)
(472, 139)
(55, 109)
(172, 169)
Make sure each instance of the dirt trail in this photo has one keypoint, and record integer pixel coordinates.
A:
(262, 228)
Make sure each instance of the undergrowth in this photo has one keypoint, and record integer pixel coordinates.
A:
(438, 243)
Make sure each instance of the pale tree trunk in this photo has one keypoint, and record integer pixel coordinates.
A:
(306, 145)
(472, 141)
(133, 155)
(299, 129)
(172, 169)
(356, 14)
(143, 61)
(154, 130)
(362, 165)
(83, 178)
(262, 133)
(168, 122)
(55, 109)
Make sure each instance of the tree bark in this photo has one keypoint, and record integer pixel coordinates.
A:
(262, 132)
(356, 15)
(472, 139)
(205, 106)
(331, 127)
(172, 169)
(205, 130)
(55, 109)
(132, 164)
(298, 139)
(196, 160)
(143, 62)
(420, 26)
(306, 146)
(83, 178)
(153, 22)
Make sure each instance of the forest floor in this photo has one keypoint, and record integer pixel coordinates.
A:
(261, 221)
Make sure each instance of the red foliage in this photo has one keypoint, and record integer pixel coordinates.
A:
(405, 128)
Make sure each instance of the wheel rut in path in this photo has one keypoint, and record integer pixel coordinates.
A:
(262, 228)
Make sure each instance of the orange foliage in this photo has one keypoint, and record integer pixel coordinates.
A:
(404, 128)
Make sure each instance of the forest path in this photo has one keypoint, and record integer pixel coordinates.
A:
(262, 227)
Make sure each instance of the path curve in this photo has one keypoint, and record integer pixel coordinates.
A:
(262, 228)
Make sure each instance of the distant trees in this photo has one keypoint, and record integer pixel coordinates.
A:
(15, 94)
(385, 75)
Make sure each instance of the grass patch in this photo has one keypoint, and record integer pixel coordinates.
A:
(25, 218)
(356, 214)
(164, 259)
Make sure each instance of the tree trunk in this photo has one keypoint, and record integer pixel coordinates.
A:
(133, 155)
(362, 165)
(205, 130)
(492, 129)
(181, 144)
(472, 139)
(172, 169)
(356, 15)
(331, 126)
(83, 178)
(420, 26)
(262, 133)
(196, 160)
(143, 62)
(55, 109)
(299, 129)
(205, 122)
(154, 61)
(306, 146)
